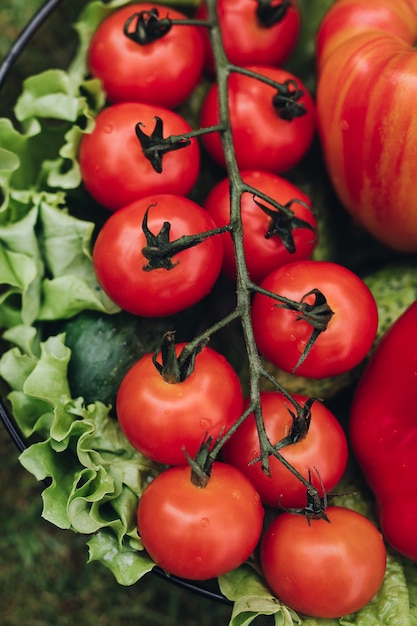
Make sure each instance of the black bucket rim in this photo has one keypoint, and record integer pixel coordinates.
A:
(23, 39)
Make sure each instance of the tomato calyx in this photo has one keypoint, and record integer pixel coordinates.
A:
(300, 425)
(155, 145)
(159, 250)
(145, 27)
(316, 505)
(269, 13)
(201, 464)
(286, 100)
(175, 369)
(283, 222)
(318, 314)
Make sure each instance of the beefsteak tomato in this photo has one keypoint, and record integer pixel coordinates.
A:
(367, 70)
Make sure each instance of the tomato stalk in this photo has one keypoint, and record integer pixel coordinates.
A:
(283, 222)
(155, 145)
(144, 27)
(159, 250)
(245, 286)
(286, 100)
(175, 369)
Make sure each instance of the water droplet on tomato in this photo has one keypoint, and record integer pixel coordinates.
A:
(204, 522)
(301, 345)
(344, 125)
(107, 129)
(236, 494)
(205, 423)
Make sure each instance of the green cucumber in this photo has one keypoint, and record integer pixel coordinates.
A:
(104, 347)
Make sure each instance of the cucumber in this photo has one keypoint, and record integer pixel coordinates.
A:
(103, 348)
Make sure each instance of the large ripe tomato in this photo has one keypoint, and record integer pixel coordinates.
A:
(199, 533)
(367, 79)
(248, 35)
(324, 570)
(262, 138)
(324, 448)
(383, 431)
(119, 260)
(162, 418)
(264, 252)
(113, 166)
(282, 336)
(164, 71)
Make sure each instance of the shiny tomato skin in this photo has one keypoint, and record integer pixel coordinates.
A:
(323, 448)
(119, 261)
(113, 167)
(367, 129)
(161, 419)
(347, 18)
(200, 533)
(262, 254)
(281, 337)
(383, 431)
(262, 140)
(246, 40)
(324, 570)
(132, 72)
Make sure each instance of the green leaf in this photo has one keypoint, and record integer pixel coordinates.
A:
(252, 598)
(127, 565)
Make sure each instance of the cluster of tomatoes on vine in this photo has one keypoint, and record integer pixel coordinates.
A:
(159, 252)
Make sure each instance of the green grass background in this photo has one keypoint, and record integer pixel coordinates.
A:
(44, 575)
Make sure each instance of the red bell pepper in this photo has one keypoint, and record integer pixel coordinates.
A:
(383, 431)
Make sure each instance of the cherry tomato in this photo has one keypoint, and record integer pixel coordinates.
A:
(164, 70)
(264, 252)
(324, 447)
(282, 336)
(199, 533)
(113, 166)
(120, 263)
(161, 418)
(263, 139)
(324, 569)
(255, 32)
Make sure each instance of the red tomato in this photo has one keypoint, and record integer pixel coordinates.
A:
(248, 37)
(113, 166)
(325, 570)
(383, 431)
(119, 261)
(324, 447)
(164, 71)
(160, 418)
(263, 254)
(368, 65)
(281, 336)
(262, 139)
(200, 533)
